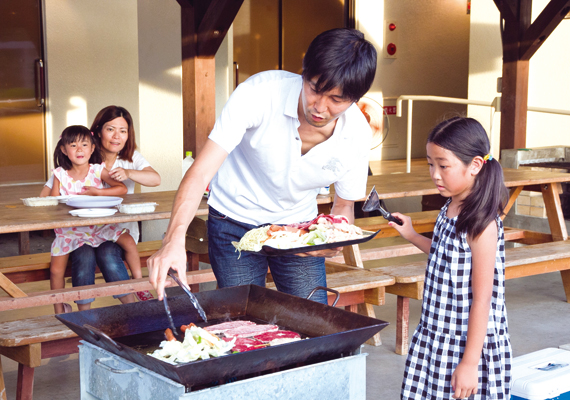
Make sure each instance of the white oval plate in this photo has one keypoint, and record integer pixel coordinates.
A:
(94, 201)
(93, 212)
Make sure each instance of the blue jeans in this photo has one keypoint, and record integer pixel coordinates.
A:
(292, 274)
(107, 256)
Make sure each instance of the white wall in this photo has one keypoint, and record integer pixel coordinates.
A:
(91, 62)
(549, 82)
(432, 59)
(160, 97)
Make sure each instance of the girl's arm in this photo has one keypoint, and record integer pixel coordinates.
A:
(116, 189)
(483, 252)
(54, 191)
(146, 176)
(407, 231)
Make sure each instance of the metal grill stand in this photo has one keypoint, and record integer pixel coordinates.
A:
(106, 376)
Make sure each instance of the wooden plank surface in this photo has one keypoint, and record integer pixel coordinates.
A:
(33, 330)
(97, 290)
(355, 280)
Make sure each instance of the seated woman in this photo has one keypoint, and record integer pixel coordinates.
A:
(115, 135)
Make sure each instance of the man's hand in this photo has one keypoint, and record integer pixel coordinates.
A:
(168, 256)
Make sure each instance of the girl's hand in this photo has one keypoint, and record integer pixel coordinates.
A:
(406, 230)
(90, 191)
(464, 380)
(120, 174)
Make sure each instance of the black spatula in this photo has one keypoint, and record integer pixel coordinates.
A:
(372, 203)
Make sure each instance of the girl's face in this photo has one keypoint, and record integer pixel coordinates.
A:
(452, 178)
(79, 151)
(114, 135)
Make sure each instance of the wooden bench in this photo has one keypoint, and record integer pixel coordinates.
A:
(523, 261)
(35, 267)
(28, 341)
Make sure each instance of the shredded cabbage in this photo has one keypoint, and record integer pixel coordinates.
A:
(198, 344)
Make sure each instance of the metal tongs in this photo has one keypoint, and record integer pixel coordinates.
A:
(193, 300)
(372, 203)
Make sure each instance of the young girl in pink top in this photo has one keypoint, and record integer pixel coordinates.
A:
(79, 171)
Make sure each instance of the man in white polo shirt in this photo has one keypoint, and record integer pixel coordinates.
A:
(280, 138)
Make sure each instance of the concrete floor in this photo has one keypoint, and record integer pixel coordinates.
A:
(537, 311)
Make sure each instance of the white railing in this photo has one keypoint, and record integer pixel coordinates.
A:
(495, 106)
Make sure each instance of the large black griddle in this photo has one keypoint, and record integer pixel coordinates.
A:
(131, 330)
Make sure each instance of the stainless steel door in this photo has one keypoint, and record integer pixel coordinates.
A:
(22, 137)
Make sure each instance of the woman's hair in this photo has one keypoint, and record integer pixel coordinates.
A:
(467, 139)
(107, 114)
(341, 58)
(74, 133)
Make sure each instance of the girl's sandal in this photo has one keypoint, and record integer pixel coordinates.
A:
(144, 295)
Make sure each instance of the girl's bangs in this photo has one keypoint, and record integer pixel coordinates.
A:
(71, 137)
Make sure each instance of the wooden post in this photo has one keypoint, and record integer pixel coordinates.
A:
(198, 87)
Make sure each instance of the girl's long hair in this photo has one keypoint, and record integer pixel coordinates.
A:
(467, 139)
(72, 134)
(107, 114)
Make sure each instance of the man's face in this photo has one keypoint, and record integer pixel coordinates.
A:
(320, 109)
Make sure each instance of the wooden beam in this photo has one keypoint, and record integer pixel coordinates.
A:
(198, 87)
(515, 80)
(506, 9)
(542, 27)
(215, 24)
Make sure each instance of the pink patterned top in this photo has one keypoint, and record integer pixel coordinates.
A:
(69, 239)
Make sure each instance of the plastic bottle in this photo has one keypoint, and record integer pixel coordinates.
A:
(187, 162)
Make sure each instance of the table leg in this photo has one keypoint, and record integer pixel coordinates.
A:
(513, 194)
(24, 242)
(402, 325)
(2, 384)
(566, 282)
(551, 196)
(193, 265)
(25, 386)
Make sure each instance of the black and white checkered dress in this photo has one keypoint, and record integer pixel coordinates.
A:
(439, 340)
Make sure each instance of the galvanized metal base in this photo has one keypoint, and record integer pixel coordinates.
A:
(105, 376)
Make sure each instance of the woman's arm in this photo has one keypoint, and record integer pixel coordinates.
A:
(116, 189)
(146, 176)
(483, 254)
(172, 254)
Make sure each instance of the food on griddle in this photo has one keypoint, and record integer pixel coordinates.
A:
(269, 336)
(322, 229)
(169, 335)
(225, 326)
(250, 330)
(198, 344)
(245, 344)
(203, 343)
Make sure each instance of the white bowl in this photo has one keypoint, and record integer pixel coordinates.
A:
(137, 208)
(40, 201)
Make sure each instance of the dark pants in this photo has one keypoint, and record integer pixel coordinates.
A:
(107, 256)
(292, 274)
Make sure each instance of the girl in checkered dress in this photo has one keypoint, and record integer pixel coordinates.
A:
(461, 347)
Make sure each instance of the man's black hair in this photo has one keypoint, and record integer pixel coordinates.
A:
(341, 58)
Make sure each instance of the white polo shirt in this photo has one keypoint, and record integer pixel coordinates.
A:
(265, 179)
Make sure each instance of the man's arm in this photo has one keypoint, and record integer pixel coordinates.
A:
(172, 254)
